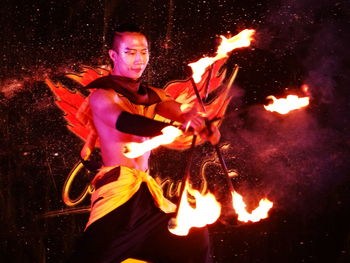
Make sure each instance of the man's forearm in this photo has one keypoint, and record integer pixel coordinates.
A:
(139, 125)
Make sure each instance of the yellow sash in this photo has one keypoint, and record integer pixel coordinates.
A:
(120, 191)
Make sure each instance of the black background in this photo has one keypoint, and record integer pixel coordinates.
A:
(299, 161)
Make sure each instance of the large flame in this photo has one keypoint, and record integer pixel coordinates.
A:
(134, 149)
(256, 215)
(285, 105)
(242, 39)
(207, 210)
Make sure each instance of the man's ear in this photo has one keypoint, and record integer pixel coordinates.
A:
(112, 54)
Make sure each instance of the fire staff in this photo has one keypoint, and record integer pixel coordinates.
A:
(129, 214)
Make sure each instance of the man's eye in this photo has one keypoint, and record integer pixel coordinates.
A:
(130, 52)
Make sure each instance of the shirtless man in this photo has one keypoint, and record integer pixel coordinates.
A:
(129, 214)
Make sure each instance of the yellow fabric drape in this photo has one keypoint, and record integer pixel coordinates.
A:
(119, 192)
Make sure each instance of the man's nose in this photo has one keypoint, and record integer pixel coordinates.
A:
(139, 58)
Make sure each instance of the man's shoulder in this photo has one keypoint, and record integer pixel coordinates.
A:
(100, 94)
(97, 96)
(100, 98)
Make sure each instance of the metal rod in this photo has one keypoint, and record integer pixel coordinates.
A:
(193, 144)
(187, 171)
(217, 149)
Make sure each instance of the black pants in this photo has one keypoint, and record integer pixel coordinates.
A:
(139, 229)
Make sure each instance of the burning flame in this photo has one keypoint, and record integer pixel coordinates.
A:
(256, 215)
(207, 210)
(134, 149)
(242, 39)
(285, 105)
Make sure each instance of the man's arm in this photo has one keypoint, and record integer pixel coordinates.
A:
(104, 106)
(172, 110)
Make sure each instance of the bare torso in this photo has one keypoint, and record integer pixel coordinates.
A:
(106, 107)
(113, 141)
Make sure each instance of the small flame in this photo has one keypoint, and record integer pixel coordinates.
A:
(207, 210)
(134, 149)
(285, 105)
(232, 174)
(242, 39)
(305, 88)
(256, 215)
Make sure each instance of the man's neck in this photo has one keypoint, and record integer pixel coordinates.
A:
(133, 87)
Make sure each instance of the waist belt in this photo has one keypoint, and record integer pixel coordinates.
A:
(112, 189)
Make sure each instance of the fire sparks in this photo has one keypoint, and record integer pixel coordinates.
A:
(134, 149)
(256, 215)
(207, 210)
(285, 105)
(242, 39)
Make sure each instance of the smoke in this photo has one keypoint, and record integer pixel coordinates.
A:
(10, 87)
(14, 84)
(323, 62)
(300, 156)
(284, 157)
(313, 34)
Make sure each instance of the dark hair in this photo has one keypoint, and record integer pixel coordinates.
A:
(127, 27)
(123, 28)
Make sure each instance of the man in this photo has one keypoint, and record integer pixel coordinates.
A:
(129, 214)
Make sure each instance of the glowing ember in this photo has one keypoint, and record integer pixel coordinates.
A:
(305, 88)
(232, 173)
(207, 210)
(134, 149)
(242, 39)
(256, 215)
(285, 105)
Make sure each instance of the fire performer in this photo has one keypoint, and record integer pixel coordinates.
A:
(129, 214)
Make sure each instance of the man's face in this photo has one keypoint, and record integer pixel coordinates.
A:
(131, 57)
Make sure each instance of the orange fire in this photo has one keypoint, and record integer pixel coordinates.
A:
(206, 211)
(134, 149)
(242, 39)
(256, 215)
(285, 105)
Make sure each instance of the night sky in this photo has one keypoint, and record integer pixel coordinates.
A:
(299, 161)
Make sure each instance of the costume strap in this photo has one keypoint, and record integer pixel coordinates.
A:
(161, 94)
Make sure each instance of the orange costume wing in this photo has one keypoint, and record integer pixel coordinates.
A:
(214, 89)
(76, 107)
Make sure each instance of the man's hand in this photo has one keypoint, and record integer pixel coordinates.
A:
(201, 126)
(213, 136)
